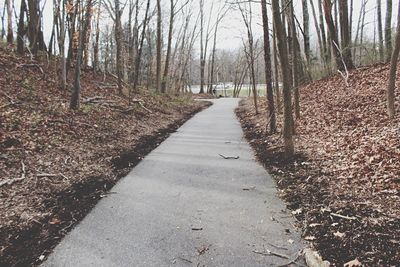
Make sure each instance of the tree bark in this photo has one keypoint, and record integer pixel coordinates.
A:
(333, 34)
(21, 28)
(306, 29)
(165, 77)
(380, 31)
(159, 46)
(345, 34)
(268, 69)
(393, 70)
(287, 98)
(388, 30)
(10, 35)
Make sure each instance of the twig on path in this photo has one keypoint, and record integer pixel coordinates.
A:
(271, 253)
(343, 216)
(225, 157)
(292, 261)
(52, 175)
(11, 181)
(278, 247)
(180, 258)
(197, 228)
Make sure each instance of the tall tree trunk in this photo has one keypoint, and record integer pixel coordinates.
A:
(393, 70)
(295, 59)
(380, 31)
(287, 98)
(202, 52)
(10, 35)
(118, 42)
(324, 37)
(388, 30)
(165, 77)
(159, 45)
(97, 39)
(345, 34)
(21, 29)
(276, 75)
(140, 50)
(317, 29)
(306, 29)
(268, 69)
(333, 35)
(75, 97)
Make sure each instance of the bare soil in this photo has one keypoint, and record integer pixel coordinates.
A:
(343, 184)
(58, 163)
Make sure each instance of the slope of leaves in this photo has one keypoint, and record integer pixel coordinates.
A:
(63, 160)
(344, 182)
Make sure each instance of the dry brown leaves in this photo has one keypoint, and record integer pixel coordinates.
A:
(348, 163)
(65, 151)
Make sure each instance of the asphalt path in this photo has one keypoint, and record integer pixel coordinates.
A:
(199, 199)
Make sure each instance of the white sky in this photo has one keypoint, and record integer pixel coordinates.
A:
(232, 27)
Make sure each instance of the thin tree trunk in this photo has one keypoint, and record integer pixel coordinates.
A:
(306, 29)
(345, 34)
(140, 50)
(97, 39)
(165, 77)
(10, 35)
(380, 31)
(276, 75)
(388, 30)
(75, 98)
(333, 35)
(118, 41)
(287, 98)
(21, 28)
(393, 70)
(268, 69)
(295, 60)
(159, 45)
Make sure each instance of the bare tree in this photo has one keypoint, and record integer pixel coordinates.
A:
(333, 34)
(380, 31)
(345, 34)
(268, 69)
(10, 35)
(159, 46)
(247, 16)
(287, 98)
(388, 30)
(75, 97)
(393, 70)
(21, 28)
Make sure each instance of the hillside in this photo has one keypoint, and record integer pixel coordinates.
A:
(55, 164)
(344, 183)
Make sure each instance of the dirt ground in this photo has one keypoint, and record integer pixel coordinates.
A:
(343, 184)
(55, 164)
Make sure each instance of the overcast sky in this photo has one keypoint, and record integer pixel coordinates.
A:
(232, 28)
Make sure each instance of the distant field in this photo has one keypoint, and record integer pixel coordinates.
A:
(228, 92)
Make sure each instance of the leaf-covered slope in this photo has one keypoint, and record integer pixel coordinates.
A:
(348, 163)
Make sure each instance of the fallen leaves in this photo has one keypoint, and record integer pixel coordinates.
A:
(345, 176)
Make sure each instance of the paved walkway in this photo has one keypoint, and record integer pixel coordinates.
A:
(184, 205)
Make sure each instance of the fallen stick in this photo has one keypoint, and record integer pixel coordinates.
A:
(11, 181)
(271, 253)
(343, 216)
(225, 157)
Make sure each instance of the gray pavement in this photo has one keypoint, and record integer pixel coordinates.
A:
(184, 205)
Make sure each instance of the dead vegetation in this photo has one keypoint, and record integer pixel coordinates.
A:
(343, 185)
(55, 163)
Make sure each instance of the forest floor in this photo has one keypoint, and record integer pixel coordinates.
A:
(343, 185)
(55, 164)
